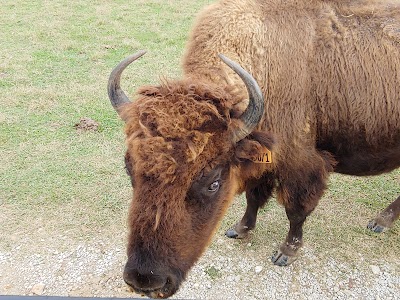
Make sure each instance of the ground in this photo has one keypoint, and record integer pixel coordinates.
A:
(46, 260)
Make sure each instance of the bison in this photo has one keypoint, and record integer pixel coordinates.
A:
(323, 96)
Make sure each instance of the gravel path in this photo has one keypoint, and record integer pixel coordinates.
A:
(225, 271)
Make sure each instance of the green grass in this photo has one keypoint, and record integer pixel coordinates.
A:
(55, 58)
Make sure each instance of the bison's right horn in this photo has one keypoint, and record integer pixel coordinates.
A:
(115, 93)
(255, 110)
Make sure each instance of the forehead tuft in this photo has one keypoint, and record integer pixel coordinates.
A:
(171, 125)
(176, 109)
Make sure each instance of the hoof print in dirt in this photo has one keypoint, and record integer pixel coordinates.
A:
(86, 124)
(375, 227)
(282, 260)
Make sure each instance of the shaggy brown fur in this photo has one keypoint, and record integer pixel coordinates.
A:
(330, 75)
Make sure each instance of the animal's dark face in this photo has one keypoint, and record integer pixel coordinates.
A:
(170, 226)
(187, 156)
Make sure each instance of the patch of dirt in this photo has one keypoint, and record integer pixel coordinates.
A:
(86, 124)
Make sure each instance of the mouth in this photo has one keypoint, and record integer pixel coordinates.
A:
(167, 291)
(161, 293)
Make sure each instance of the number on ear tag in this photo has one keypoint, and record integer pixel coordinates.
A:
(265, 157)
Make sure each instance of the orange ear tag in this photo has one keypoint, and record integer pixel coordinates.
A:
(265, 157)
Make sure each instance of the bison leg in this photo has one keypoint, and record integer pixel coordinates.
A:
(300, 197)
(386, 218)
(257, 195)
(287, 252)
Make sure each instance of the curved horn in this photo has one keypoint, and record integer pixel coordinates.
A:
(115, 93)
(255, 109)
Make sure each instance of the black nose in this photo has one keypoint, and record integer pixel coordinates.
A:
(144, 281)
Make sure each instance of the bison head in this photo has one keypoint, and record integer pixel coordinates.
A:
(186, 156)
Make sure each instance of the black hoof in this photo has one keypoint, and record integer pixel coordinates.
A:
(375, 227)
(234, 234)
(282, 260)
(231, 233)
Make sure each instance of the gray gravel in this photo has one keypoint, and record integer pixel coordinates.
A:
(93, 268)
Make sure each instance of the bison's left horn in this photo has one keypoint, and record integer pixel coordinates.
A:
(115, 93)
(255, 109)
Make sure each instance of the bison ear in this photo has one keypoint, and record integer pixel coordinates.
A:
(129, 168)
(257, 147)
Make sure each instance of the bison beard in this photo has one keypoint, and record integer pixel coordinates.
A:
(328, 101)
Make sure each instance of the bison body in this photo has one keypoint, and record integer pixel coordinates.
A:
(329, 71)
(329, 75)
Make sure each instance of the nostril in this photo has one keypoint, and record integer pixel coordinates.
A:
(144, 281)
(128, 280)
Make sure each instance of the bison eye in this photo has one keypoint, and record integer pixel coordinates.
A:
(214, 186)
